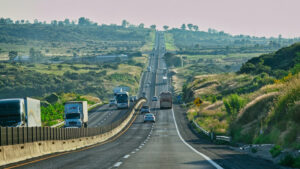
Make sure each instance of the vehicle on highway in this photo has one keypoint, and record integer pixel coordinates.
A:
(149, 68)
(165, 79)
(145, 109)
(20, 112)
(112, 102)
(149, 117)
(76, 114)
(123, 100)
(154, 98)
(164, 70)
(133, 99)
(144, 94)
(165, 100)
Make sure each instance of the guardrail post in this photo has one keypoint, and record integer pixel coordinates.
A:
(14, 135)
(3, 136)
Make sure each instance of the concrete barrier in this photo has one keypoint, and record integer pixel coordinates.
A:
(19, 152)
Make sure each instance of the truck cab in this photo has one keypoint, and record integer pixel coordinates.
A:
(76, 114)
(20, 112)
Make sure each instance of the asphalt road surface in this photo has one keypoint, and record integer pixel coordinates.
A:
(168, 143)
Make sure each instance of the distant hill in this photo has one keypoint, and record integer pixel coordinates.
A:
(277, 64)
(70, 33)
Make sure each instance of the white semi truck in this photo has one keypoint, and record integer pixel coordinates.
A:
(76, 114)
(20, 112)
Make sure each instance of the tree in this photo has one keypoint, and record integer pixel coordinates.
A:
(54, 22)
(153, 26)
(141, 25)
(82, 21)
(166, 27)
(67, 22)
(195, 27)
(183, 27)
(190, 26)
(12, 55)
(125, 23)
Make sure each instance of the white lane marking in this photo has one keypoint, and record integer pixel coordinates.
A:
(126, 156)
(117, 164)
(192, 148)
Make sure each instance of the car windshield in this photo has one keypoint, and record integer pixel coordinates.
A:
(10, 113)
(122, 98)
(73, 116)
(145, 107)
(149, 115)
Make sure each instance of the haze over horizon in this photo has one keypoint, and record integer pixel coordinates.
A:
(255, 18)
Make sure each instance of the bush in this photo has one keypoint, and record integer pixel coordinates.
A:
(233, 104)
(275, 151)
(290, 161)
(52, 113)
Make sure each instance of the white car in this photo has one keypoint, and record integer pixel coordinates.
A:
(149, 117)
(154, 98)
(112, 102)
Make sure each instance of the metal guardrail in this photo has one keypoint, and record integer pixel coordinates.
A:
(21, 135)
(212, 135)
(224, 138)
(202, 129)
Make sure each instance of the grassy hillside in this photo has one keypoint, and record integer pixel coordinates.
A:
(68, 40)
(253, 107)
(20, 80)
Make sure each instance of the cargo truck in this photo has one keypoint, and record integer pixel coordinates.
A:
(20, 112)
(76, 114)
(165, 100)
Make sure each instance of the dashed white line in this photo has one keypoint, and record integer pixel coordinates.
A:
(117, 164)
(126, 156)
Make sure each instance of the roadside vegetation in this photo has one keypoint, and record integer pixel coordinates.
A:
(52, 106)
(20, 80)
(64, 40)
(253, 107)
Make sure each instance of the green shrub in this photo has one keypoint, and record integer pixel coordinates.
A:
(254, 150)
(52, 113)
(290, 161)
(275, 151)
(233, 104)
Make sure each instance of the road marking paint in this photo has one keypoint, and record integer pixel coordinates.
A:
(126, 156)
(80, 149)
(117, 164)
(192, 148)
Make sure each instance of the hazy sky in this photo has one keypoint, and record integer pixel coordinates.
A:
(251, 17)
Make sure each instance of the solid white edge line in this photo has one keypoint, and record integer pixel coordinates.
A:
(192, 148)
(117, 164)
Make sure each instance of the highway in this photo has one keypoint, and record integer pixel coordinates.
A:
(104, 115)
(168, 143)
